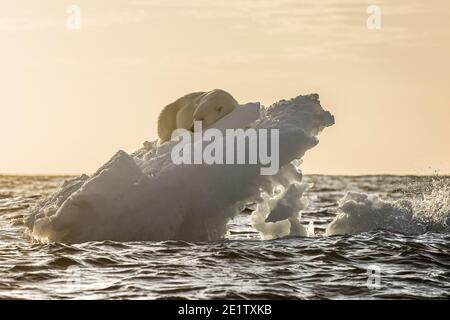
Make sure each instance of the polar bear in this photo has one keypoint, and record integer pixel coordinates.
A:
(207, 107)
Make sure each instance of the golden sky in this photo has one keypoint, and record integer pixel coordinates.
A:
(70, 99)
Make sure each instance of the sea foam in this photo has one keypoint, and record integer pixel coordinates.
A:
(145, 196)
(428, 211)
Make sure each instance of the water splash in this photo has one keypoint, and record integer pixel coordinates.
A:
(427, 211)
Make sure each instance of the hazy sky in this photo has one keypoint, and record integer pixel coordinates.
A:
(70, 99)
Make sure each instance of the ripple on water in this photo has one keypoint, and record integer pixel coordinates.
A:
(238, 268)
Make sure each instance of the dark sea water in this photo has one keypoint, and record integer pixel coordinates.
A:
(376, 265)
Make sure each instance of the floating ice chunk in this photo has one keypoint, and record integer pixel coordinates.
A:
(145, 196)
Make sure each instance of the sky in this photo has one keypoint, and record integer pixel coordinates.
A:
(71, 97)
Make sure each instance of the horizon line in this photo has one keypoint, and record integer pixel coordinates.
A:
(15, 174)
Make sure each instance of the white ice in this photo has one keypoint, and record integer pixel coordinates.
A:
(145, 196)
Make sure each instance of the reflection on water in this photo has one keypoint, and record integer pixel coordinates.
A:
(376, 264)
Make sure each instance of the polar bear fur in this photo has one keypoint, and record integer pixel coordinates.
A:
(207, 107)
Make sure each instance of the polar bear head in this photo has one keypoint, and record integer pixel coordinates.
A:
(213, 106)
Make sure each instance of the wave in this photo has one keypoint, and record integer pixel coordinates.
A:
(429, 211)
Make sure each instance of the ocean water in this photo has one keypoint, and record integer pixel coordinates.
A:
(377, 264)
